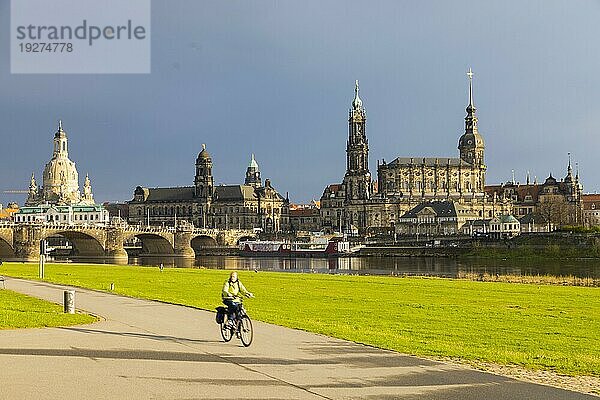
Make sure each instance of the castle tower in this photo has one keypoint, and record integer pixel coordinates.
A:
(203, 181)
(471, 144)
(358, 178)
(253, 174)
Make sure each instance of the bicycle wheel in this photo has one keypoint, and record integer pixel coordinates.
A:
(226, 332)
(246, 333)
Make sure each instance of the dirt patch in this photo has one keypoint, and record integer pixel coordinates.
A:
(582, 384)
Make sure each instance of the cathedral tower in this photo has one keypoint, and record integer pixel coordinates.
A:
(471, 144)
(253, 174)
(203, 181)
(358, 178)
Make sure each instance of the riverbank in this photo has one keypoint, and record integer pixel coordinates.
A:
(537, 327)
(20, 311)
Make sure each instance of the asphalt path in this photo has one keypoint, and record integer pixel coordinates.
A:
(150, 350)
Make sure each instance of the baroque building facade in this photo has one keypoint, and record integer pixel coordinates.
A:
(360, 204)
(59, 200)
(553, 203)
(253, 205)
(60, 178)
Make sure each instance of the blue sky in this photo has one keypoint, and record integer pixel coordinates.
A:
(276, 78)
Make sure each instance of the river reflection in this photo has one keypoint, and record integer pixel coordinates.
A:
(437, 266)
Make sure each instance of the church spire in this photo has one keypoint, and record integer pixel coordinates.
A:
(357, 102)
(471, 103)
(471, 118)
(569, 177)
(471, 144)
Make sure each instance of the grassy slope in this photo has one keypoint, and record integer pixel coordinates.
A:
(540, 327)
(20, 311)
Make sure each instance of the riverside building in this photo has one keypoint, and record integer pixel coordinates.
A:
(252, 205)
(359, 204)
(59, 199)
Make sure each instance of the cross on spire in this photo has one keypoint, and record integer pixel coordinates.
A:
(470, 75)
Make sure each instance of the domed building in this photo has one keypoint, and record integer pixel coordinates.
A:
(59, 200)
(60, 179)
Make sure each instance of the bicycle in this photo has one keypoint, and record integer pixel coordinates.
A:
(241, 326)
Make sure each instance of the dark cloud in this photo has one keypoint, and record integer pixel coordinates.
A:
(276, 79)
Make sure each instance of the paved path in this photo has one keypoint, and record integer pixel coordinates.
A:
(150, 350)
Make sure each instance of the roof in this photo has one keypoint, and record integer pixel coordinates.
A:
(591, 201)
(522, 191)
(427, 161)
(440, 208)
(170, 194)
(7, 212)
(505, 219)
(590, 197)
(234, 192)
(533, 218)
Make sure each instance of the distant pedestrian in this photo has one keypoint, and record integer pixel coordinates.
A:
(161, 267)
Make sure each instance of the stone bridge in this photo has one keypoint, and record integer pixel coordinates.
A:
(19, 241)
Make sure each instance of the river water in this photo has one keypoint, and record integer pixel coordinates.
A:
(436, 266)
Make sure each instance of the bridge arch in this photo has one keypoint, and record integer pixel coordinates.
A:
(201, 243)
(6, 249)
(153, 244)
(83, 244)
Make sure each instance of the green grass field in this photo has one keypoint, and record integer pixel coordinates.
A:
(20, 311)
(539, 327)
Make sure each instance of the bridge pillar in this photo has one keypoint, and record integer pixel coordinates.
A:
(115, 236)
(26, 242)
(182, 242)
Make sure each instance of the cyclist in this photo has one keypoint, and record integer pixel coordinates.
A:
(231, 295)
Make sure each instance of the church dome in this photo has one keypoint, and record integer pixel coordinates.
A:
(203, 155)
(470, 140)
(60, 179)
(60, 176)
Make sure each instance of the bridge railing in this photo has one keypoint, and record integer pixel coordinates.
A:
(126, 228)
(76, 227)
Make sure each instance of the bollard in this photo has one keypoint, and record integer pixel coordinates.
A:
(112, 287)
(69, 301)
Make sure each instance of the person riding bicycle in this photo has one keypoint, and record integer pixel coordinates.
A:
(231, 295)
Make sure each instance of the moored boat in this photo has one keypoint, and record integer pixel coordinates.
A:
(331, 248)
